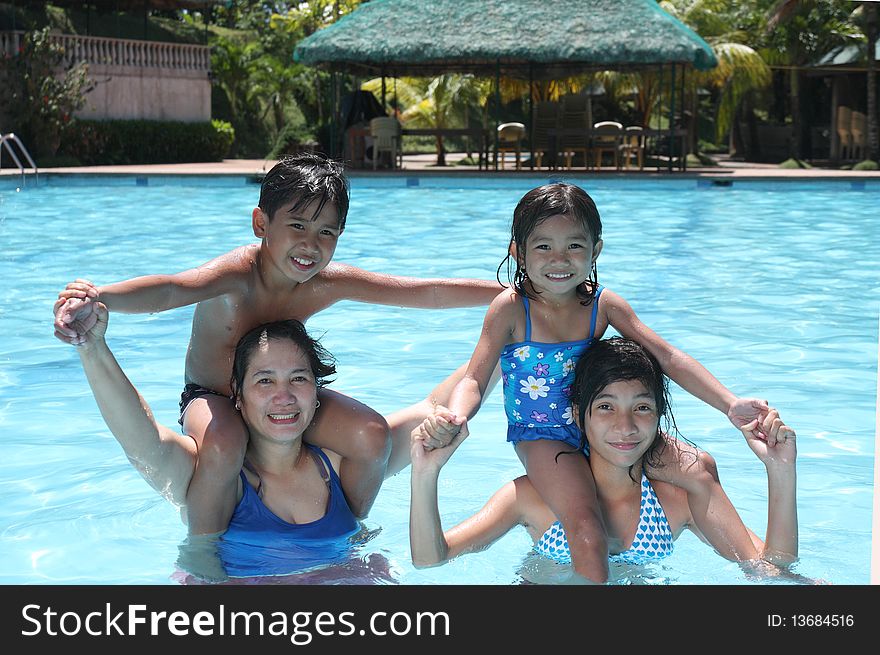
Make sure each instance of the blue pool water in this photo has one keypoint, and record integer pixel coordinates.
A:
(774, 287)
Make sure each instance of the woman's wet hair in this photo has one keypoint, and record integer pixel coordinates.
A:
(617, 359)
(321, 362)
(302, 179)
(535, 207)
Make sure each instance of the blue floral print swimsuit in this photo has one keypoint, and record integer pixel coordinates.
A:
(536, 378)
(653, 539)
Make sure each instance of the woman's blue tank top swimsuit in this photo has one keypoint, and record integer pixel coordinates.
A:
(536, 380)
(653, 540)
(259, 543)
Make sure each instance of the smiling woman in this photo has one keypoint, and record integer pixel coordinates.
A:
(620, 397)
(287, 509)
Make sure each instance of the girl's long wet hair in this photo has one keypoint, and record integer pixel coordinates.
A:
(321, 362)
(614, 360)
(538, 205)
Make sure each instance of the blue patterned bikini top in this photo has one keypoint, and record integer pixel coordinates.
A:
(653, 540)
(536, 379)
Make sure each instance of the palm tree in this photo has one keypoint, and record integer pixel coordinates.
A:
(740, 71)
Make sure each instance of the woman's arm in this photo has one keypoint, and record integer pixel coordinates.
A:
(781, 542)
(430, 545)
(716, 521)
(164, 458)
(686, 371)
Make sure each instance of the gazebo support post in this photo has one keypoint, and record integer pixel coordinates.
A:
(334, 109)
(686, 124)
(497, 107)
(531, 119)
(671, 117)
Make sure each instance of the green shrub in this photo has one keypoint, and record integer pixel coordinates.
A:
(147, 142)
(866, 165)
(794, 163)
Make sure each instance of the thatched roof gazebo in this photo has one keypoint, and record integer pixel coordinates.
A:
(525, 39)
(553, 39)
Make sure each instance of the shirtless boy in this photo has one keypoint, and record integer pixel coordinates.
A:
(301, 215)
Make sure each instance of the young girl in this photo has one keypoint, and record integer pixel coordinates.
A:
(621, 401)
(538, 330)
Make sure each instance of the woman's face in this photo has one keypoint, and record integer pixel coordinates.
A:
(622, 422)
(279, 391)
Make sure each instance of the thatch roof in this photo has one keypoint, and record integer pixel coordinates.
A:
(558, 38)
(131, 5)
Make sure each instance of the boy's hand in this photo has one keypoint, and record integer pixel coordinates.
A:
(785, 449)
(744, 411)
(73, 320)
(87, 319)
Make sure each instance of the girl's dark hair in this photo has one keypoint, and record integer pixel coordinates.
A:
(321, 361)
(617, 359)
(302, 179)
(535, 207)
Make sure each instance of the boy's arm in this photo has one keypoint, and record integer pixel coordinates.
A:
(164, 458)
(353, 283)
(155, 293)
(686, 371)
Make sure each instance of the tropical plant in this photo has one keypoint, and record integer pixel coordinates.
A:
(797, 33)
(436, 103)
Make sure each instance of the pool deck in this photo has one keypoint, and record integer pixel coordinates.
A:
(424, 165)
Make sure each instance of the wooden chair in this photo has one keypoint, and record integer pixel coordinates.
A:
(858, 130)
(633, 145)
(606, 138)
(545, 117)
(385, 131)
(510, 136)
(844, 123)
(574, 127)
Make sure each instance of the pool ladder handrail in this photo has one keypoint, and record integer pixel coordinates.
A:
(11, 138)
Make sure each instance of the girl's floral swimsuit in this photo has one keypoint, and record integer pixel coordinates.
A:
(536, 379)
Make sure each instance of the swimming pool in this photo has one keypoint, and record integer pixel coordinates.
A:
(773, 286)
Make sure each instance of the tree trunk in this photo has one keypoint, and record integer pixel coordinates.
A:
(796, 141)
(441, 153)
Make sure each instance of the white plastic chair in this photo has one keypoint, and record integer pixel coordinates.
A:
(859, 128)
(606, 138)
(844, 121)
(510, 136)
(633, 145)
(385, 131)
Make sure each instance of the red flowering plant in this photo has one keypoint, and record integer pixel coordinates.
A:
(42, 92)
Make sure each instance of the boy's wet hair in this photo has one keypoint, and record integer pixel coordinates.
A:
(321, 362)
(540, 204)
(617, 359)
(302, 179)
